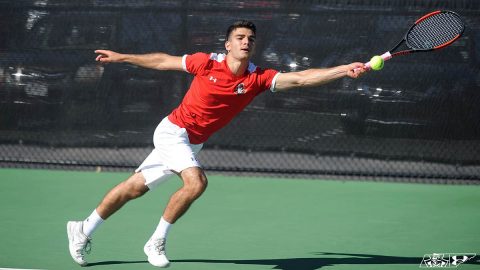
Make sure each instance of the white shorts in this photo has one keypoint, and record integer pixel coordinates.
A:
(172, 154)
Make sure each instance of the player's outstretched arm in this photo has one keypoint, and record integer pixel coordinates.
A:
(160, 61)
(316, 77)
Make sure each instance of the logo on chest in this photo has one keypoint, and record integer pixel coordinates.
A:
(240, 89)
(213, 79)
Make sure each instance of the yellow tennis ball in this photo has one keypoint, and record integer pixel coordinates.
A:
(376, 63)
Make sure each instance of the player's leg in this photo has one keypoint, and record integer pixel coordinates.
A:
(175, 151)
(130, 189)
(79, 232)
(194, 184)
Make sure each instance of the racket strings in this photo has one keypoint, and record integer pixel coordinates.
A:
(435, 31)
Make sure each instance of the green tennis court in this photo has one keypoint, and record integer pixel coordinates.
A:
(242, 223)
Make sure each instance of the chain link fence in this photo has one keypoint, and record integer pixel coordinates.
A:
(417, 118)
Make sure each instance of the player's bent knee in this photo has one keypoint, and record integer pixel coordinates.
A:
(196, 187)
(202, 185)
(137, 193)
(195, 181)
(135, 186)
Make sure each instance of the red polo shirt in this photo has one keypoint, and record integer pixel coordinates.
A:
(216, 95)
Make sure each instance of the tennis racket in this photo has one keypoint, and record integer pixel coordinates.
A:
(434, 31)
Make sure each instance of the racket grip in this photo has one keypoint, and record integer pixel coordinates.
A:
(386, 56)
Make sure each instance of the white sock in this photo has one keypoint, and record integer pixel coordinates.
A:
(91, 223)
(162, 229)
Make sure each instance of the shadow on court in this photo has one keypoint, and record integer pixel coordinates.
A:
(302, 263)
(114, 262)
(296, 263)
(318, 263)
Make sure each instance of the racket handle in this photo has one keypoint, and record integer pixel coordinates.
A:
(386, 56)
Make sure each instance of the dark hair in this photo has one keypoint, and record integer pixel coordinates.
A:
(241, 24)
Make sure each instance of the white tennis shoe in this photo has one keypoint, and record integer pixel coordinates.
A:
(155, 251)
(78, 242)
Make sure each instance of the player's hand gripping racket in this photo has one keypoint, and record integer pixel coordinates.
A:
(433, 31)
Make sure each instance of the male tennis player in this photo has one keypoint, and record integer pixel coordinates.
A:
(223, 85)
